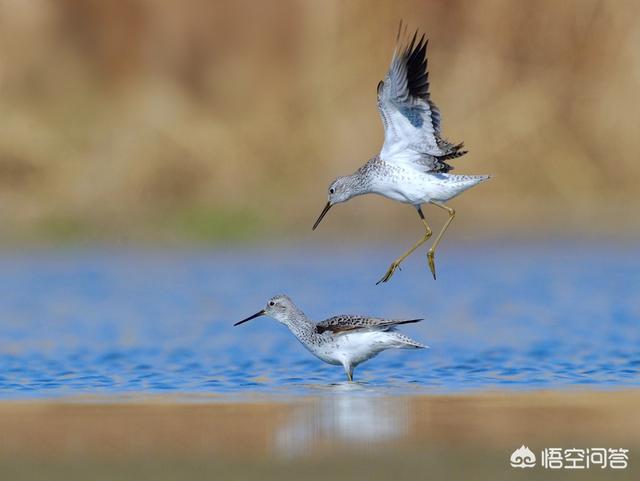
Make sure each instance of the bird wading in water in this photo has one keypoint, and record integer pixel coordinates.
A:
(346, 340)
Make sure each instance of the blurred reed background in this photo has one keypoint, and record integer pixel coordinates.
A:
(203, 121)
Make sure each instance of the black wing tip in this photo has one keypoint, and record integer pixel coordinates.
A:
(410, 47)
(399, 31)
(416, 51)
(414, 56)
(411, 321)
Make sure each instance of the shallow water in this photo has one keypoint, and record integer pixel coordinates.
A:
(105, 322)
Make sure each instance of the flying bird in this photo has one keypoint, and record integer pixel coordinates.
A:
(346, 340)
(413, 165)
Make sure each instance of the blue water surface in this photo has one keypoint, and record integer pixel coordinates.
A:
(498, 317)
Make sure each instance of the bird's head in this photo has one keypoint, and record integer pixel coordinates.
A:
(278, 307)
(340, 190)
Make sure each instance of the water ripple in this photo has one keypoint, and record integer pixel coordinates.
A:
(117, 322)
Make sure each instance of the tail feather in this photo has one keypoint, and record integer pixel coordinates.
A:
(405, 342)
(467, 181)
(476, 179)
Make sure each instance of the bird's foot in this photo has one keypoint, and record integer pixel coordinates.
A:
(432, 263)
(392, 268)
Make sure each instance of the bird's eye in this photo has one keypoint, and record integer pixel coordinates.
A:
(332, 190)
(271, 303)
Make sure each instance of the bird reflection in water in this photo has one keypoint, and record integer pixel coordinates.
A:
(357, 420)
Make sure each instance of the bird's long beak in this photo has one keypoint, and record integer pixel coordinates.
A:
(257, 314)
(322, 214)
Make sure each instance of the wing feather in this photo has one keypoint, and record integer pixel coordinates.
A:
(346, 323)
(411, 119)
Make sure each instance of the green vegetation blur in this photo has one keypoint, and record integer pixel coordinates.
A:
(225, 121)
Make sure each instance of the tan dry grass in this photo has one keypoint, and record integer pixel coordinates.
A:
(120, 117)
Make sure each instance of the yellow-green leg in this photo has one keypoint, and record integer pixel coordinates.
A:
(395, 264)
(432, 251)
(348, 369)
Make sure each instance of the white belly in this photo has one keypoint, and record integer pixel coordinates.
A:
(414, 187)
(355, 348)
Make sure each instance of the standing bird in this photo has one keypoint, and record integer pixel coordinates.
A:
(340, 340)
(412, 166)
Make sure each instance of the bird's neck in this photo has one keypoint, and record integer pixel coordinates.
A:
(299, 324)
(359, 183)
(362, 180)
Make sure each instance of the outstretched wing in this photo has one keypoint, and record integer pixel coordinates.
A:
(351, 323)
(411, 120)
